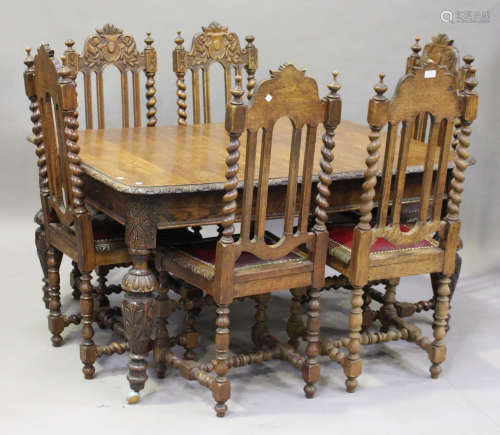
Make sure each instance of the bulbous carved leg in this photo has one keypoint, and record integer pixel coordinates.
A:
(295, 326)
(56, 320)
(352, 363)
(260, 330)
(311, 370)
(221, 388)
(437, 352)
(88, 353)
(74, 279)
(138, 314)
(101, 298)
(163, 311)
(41, 249)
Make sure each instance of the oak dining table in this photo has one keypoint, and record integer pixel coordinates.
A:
(150, 179)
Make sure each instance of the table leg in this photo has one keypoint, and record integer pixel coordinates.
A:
(138, 315)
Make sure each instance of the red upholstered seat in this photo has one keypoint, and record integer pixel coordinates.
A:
(341, 237)
(199, 256)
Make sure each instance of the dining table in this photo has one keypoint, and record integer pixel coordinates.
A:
(166, 177)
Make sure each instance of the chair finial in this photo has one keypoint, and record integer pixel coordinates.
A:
(148, 41)
(380, 88)
(179, 40)
(29, 60)
(335, 85)
(471, 81)
(468, 59)
(237, 91)
(416, 47)
(250, 39)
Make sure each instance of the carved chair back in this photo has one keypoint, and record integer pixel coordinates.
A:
(214, 44)
(440, 51)
(288, 93)
(61, 185)
(432, 90)
(110, 46)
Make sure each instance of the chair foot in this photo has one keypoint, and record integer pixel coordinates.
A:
(351, 384)
(310, 390)
(435, 371)
(220, 409)
(57, 340)
(88, 371)
(133, 397)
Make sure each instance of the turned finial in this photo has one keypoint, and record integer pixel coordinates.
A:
(468, 59)
(471, 82)
(380, 88)
(64, 71)
(69, 43)
(416, 47)
(29, 60)
(237, 91)
(179, 40)
(250, 39)
(149, 41)
(335, 86)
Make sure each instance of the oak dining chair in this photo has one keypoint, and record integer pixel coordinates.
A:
(254, 262)
(382, 247)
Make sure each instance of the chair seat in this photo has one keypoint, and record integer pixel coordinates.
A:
(341, 238)
(198, 256)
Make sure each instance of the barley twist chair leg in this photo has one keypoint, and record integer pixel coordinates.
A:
(260, 330)
(74, 279)
(101, 298)
(352, 364)
(311, 370)
(437, 352)
(56, 319)
(295, 326)
(221, 388)
(163, 311)
(388, 310)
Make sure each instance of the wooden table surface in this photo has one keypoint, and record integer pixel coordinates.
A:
(192, 158)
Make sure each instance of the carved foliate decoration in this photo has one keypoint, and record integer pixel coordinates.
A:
(442, 52)
(138, 316)
(110, 45)
(216, 44)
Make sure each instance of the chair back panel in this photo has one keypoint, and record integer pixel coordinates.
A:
(429, 90)
(59, 164)
(288, 93)
(214, 44)
(110, 46)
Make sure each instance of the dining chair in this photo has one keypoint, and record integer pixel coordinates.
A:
(255, 263)
(109, 46)
(91, 240)
(385, 248)
(439, 51)
(215, 44)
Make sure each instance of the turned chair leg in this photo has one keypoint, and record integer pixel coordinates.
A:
(74, 279)
(352, 363)
(295, 326)
(221, 388)
(88, 353)
(260, 330)
(41, 249)
(101, 297)
(437, 353)
(189, 338)
(162, 340)
(311, 370)
(388, 310)
(56, 319)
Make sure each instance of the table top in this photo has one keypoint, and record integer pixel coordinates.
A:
(169, 159)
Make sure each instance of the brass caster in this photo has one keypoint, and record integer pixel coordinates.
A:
(133, 397)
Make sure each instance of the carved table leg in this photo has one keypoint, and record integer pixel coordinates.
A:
(56, 320)
(74, 279)
(41, 249)
(138, 315)
(88, 353)
(221, 388)
(437, 353)
(352, 364)
(311, 369)
(295, 326)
